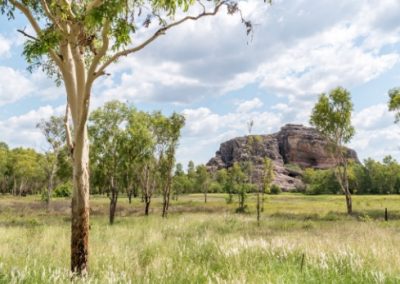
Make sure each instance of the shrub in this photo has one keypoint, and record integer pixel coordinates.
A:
(275, 189)
(44, 197)
(63, 190)
(320, 182)
(215, 187)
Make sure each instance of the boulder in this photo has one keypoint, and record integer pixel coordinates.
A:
(294, 146)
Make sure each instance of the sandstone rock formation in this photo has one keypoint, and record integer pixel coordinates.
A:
(292, 145)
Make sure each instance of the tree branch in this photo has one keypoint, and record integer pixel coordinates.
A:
(94, 4)
(158, 33)
(27, 35)
(35, 25)
(91, 73)
(49, 14)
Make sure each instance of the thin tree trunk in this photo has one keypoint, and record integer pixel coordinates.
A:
(166, 201)
(113, 201)
(80, 205)
(147, 206)
(258, 206)
(166, 195)
(130, 192)
(349, 204)
(50, 186)
(113, 207)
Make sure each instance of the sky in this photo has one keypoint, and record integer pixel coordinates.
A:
(219, 78)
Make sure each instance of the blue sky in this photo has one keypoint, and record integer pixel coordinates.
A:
(219, 78)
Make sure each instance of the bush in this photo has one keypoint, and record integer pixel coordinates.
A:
(275, 189)
(45, 196)
(63, 190)
(320, 182)
(215, 187)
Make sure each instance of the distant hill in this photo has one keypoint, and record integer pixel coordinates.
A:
(293, 148)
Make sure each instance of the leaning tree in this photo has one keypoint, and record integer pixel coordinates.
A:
(76, 41)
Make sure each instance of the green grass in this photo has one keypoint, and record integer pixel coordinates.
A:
(301, 239)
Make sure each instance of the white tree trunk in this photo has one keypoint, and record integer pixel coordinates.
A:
(80, 203)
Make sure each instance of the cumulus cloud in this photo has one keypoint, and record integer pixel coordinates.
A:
(300, 48)
(5, 46)
(21, 130)
(13, 85)
(205, 129)
(247, 106)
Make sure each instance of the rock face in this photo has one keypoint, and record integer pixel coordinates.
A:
(293, 146)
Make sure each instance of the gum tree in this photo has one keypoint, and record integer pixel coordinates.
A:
(394, 103)
(76, 41)
(54, 131)
(332, 118)
(107, 137)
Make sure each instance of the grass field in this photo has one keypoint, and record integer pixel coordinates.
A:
(301, 239)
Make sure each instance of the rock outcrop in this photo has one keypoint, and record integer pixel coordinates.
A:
(292, 147)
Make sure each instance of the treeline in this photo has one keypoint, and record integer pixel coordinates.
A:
(131, 152)
(372, 177)
(25, 171)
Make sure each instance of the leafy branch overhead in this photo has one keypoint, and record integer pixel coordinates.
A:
(103, 31)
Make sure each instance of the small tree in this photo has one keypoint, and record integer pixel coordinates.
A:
(202, 180)
(54, 131)
(180, 181)
(172, 131)
(238, 183)
(332, 118)
(4, 156)
(266, 180)
(107, 137)
(394, 102)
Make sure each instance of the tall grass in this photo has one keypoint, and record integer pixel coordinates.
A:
(299, 246)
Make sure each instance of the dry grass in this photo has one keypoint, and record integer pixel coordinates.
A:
(301, 239)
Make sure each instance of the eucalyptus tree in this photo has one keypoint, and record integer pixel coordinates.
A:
(172, 130)
(202, 180)
(180, 182)
(266, 180)
(53, 130)
(26, 170)
(138, 148)
(4, 156)
(237, 181)
(106, 135)
(76, 41)
(394, 102)
(139, 162)
(332, 118)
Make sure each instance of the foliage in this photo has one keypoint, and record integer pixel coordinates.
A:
(376, 177)
(332, 117)
(275, 189)
(63, 190)
(268, 175)
(394, 103)
(320, 182)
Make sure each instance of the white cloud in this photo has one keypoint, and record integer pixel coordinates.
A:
(373, 117)
(21, 130)
(247, 106)
(13, 85)
(205, 130)
(5, 46)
